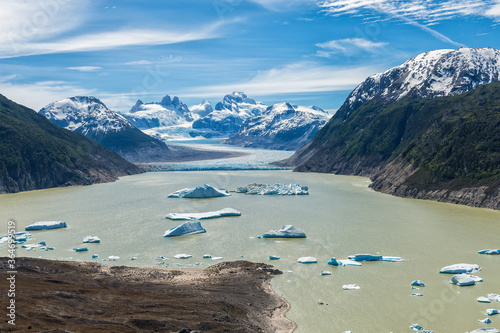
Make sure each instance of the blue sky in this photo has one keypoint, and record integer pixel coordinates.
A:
(301, 51)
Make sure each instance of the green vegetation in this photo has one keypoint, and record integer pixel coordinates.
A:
(34, 153)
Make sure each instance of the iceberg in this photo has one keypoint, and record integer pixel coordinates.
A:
(418, 283)
(80, 249)
(30, 247)
(494, 297)
(460, 269)
(91, 239)
(161, 258)
(200, 192)
(46, 225)
(94, 256)
(276, 189)
(217, 258)
(287, 231)
(485, 320)
(486, 330)
(207, 256)
(342, 262)
(483, 299)
(416, 327)
(365, 257)
(489, 251)
(182, 256)
(492, 312)
(307, 260)
(350, 287)
(133, 258)
(187, 228)
(463, 280)
(113, 258)
(274, 257)
(392, 259)
(203, 216)
(417, 294)
(326, 273)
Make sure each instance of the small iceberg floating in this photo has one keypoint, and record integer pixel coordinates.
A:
(492, 312)
(217, 258)
(365, 257)
(490, 251)
(91, 239)
(274, 257)
(463, 280)
(287, 231)
(416, 327)
(200, 192)
(326, 273)
(187, 228)
(46, 225)
(133, 258)
(486, 330)
(80, 249)
(307, 260)
(95, 256)
(161, 258)
(182, 256)
(204, 216)
(276, 189)
(485, 320)
(483, 299)
(418, 283)
(460, 269)
(351, 287)
(113, 258)
(207, 256)
(417, 294)
(30, 247)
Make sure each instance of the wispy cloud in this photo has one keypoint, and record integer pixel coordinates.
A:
(85, 68)
(494, 11)
(280, 5)
(348, 46)
(295, 78)
(138, 62)
(40, 93)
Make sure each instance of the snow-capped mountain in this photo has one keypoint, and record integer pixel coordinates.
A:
(90, 117)
(201, 110)
(428, 75)
(228, 116)
(167, 119)
(281, 126)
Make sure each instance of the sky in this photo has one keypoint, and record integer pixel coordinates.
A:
(305, 52)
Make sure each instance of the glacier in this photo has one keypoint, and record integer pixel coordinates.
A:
(203, 216)
(200, 192)
(187, 228)
(287, 231)
(46, 225)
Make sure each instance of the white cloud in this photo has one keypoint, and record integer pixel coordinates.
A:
(138, 62)
(294, 78)
(494, 11)
(280, 5)
(85, 68)
(39, 94)
(348, 46)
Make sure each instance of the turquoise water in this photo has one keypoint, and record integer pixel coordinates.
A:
(341, 217)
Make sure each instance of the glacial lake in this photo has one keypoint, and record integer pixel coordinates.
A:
(341, 217)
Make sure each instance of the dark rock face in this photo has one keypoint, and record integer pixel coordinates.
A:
(37, 154)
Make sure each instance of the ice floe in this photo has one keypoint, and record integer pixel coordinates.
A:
(418, 283)
(371, 257)
(307, 260)
(161, 258)
(492, 312)
(351, 287)
(483, 299)
(277, 189)
(486, 330)
(91, 239)
(203, 216)
(207, 256)
(200, 192)
(416, 294)
(463, 280)
(113, 258)
(489, 251)
(187, 228)
(485, 320)
(460, 268)
(46, 225)
(80, 249)
(326, 273)
(182, 256)
(274, 257)
(30, 247)
(342, 262)
(287, 231)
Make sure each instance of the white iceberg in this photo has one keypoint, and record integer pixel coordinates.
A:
(342, 262)
(217, 258)
(91, 239)
(207, 256)
(486, 330)
(417, 294)
(203, 216)
(485, 320)
(276, 189)
(494, 297)
(287, 231)
(274, 257)
(182, 256)
(418, 283)
(161, 258)
(113, 258)
(30, 247)
(392, 259)
(365, 257)
(492, 312)
(482, 299)
(46, 225)
(460, 269)
(463, 280)
(416, 327)
(350, 287)
(200, 192)
(489, 251)
(307, 260)
(326, 273)
(187, 228)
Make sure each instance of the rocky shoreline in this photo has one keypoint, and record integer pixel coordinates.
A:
(59, 296)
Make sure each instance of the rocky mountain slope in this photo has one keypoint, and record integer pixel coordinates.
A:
(228, 116)
(36, 154)
(281, 126)
(90, 117)
(386, 114)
